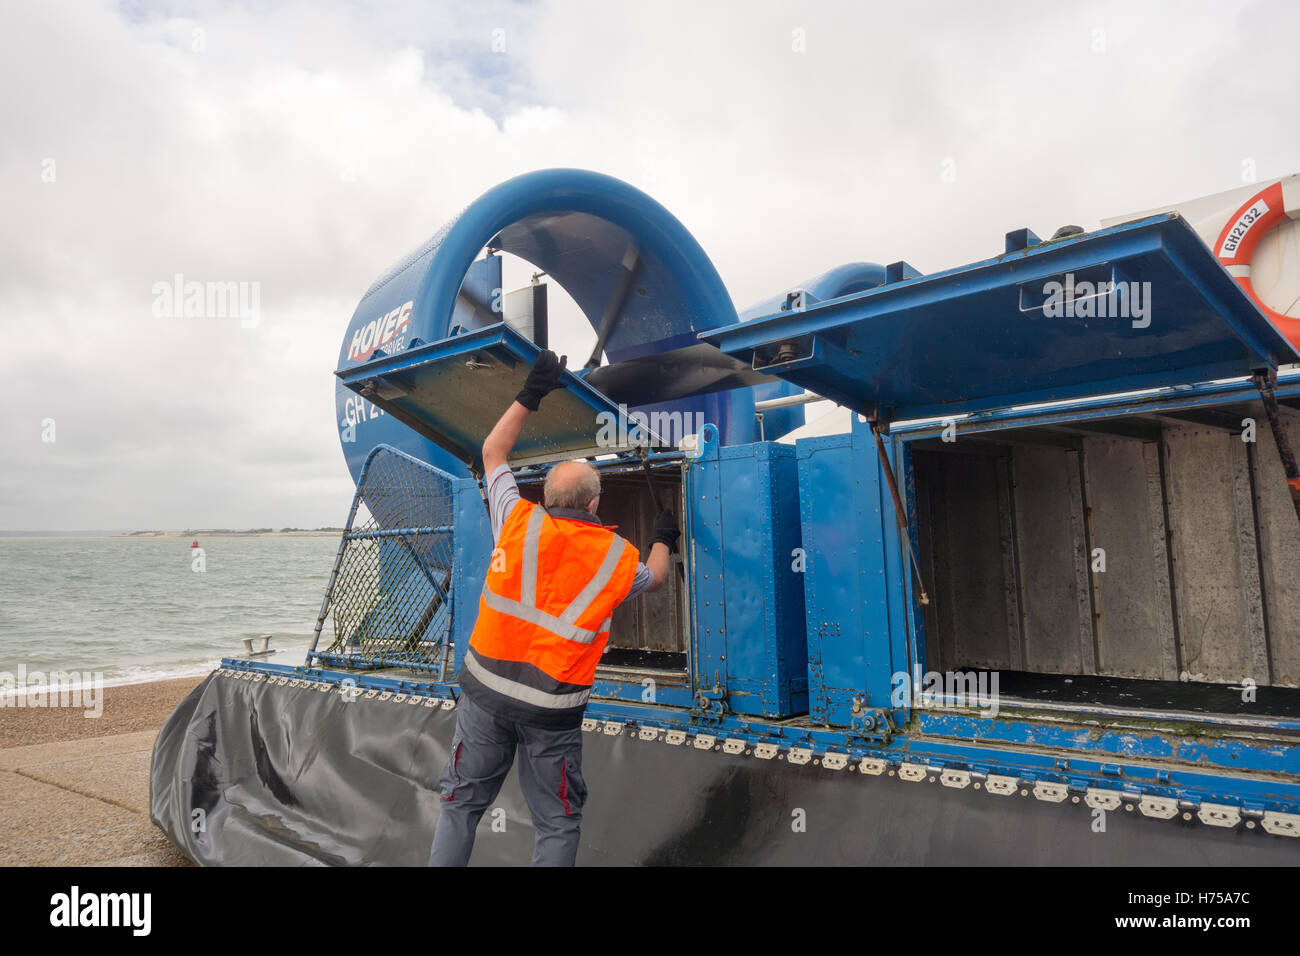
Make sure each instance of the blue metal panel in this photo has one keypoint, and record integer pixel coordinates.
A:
(1130, 743)
(855, 604)
(747, 602)
(830, 544)
(746, 541)
(786, 643)
(977, 336)
(763, 594)
(704, 537)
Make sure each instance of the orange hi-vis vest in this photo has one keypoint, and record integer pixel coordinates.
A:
(544, 615)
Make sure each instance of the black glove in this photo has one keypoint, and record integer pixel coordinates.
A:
(543, 379)
(666, 530)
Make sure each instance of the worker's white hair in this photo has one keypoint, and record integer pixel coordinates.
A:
(570, 487)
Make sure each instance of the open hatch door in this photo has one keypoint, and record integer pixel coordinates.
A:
(992, 335)
(454, 390)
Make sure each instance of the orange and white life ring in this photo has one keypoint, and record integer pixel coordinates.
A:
(1236, 246)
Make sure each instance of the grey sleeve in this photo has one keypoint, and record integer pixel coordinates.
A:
(640, 581)
(503, 494)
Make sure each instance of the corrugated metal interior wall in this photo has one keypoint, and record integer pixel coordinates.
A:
(1200, 541)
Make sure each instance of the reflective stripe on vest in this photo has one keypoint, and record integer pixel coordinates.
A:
(540, 618)
(565, 572)
(532, 540)
(529, 695)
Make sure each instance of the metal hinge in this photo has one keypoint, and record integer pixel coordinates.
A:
(875, 722)
(1281, 824)
(1102, 799)
(1050, 792)
(1219, 815)
(711, 703)
(835, 761)
(957, 779)
(1158, 807)
(1000, 785)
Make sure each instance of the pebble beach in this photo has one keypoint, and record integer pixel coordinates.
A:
(74, 791)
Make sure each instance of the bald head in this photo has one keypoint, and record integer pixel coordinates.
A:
(572, 484)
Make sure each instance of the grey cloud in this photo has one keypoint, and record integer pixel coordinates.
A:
(310, 145)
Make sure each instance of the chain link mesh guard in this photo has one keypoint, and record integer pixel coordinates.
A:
(389, 596)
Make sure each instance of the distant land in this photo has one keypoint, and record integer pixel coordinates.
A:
(191, 532)
(221, 532)
(83, 533)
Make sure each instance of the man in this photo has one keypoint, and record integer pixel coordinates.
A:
(557, 574)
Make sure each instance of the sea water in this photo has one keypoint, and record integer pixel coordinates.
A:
(135, 608)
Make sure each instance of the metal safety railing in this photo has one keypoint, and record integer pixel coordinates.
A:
(389, 596)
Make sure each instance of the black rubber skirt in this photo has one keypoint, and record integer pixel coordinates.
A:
(255, 773)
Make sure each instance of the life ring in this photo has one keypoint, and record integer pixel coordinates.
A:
(1236, 246)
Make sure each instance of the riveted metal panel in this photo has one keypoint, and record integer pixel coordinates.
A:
(786, 641)
(853, 604)
(705, 537)
(747, 527)
(828, 495)
(747, 597)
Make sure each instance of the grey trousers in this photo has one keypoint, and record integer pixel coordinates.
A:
(550, 775)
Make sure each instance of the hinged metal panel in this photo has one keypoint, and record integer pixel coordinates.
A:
(981, 336)
(454, 390)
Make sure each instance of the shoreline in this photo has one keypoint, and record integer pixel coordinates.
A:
(72, 535)
(127, 708)
(226, 534)
(74, 791)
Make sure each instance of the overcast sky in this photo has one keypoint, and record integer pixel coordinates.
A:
(307, 146)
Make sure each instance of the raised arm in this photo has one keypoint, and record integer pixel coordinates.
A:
(502, 437)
